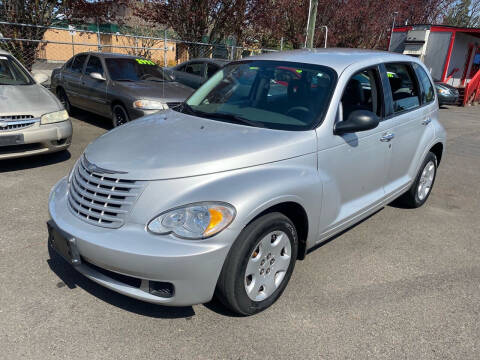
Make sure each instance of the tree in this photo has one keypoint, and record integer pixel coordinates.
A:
(40, 14)
(34, 12)
(464, 13)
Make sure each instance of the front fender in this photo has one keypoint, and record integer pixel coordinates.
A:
(251, 191)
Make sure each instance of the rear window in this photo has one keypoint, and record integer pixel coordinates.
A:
(428, 92)
(77, 64)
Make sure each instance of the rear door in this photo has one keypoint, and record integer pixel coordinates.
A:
(72, 77)
(407, 124)
(93, 91)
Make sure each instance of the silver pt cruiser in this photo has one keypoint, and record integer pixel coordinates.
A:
(268, 158)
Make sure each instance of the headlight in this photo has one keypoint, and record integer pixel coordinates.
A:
(194, 221)
(149, 105)
(443, 90)
(54, 117)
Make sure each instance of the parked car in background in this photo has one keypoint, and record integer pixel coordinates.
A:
(223, 194)
(121, 87)
(195, 72)
(32, 120)
(447, 94)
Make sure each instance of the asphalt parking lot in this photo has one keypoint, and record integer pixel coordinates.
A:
(402, 284)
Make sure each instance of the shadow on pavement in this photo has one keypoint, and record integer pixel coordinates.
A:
(325, 242)
(92, 119)
(34, 161)
(71, 278)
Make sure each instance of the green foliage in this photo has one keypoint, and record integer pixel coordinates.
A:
(464, 13)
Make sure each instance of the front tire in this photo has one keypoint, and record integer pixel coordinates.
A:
(259, 265)
(119, 116)
(418, 194)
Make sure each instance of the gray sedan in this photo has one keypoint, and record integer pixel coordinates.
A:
(32, 120)
(121, 87)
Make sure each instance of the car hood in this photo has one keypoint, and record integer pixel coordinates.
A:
(32, 100)
(171, 91)
(174, 145)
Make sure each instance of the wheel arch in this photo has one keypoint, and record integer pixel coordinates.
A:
(297, 214)
(437, 149)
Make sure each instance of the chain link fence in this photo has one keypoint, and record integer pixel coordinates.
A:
(39, 47)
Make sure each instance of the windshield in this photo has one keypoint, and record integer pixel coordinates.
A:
(11, 73)
(129, 69)
(272, 94)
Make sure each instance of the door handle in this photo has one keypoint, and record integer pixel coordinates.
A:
(387, 137)
(426, 121)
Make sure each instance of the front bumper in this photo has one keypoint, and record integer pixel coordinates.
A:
(39, 139)
(448, 99)
(193, 267)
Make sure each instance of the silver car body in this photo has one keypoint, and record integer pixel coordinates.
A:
(334, 181)
(21, 107)
(99, 96)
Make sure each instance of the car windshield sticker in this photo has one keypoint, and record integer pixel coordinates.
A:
(145, 62)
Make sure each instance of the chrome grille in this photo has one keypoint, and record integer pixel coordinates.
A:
(15, 122)
(101, 200)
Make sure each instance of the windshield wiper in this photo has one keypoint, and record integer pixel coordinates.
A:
(125, 80)
(236, 119)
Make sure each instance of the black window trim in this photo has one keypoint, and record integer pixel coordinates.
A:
(389, 92)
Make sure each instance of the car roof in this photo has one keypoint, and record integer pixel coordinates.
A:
(336, 58)
(109, 55)
(207, 60)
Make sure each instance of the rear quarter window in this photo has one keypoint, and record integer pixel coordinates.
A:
(428, 91)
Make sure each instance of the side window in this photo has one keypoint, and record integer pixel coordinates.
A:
(94, 65)
(77, 65)
(68, 65)
(181, 68)
(195, 69)
(363, 92)
(211, 70)
(428, 92)
(405, 92)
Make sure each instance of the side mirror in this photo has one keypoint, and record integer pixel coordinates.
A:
(359, 120)
(97, 76)
(40, 78)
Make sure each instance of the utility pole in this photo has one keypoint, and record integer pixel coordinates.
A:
(312, 18)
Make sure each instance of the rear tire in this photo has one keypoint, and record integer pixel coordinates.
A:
(119, 116)
(418, 194)
(259, 265)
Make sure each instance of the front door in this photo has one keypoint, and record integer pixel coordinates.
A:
(355, 164)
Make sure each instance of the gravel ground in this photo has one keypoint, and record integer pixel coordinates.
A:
(402, 284)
